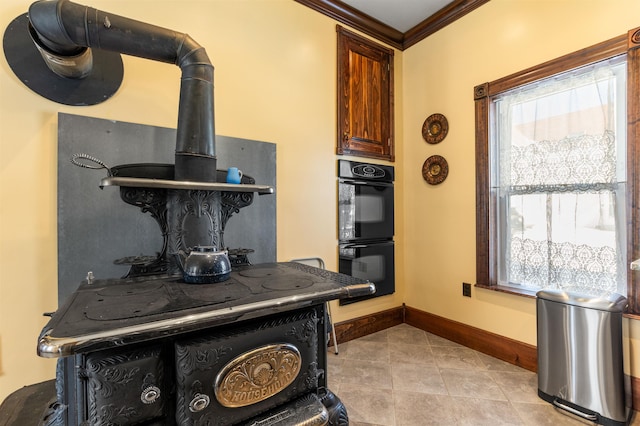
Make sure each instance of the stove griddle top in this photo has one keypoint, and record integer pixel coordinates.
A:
(121, 311)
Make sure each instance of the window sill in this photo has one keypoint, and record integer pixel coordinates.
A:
(510, 290)
(531, 294)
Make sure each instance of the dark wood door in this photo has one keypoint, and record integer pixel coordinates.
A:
(365, 97)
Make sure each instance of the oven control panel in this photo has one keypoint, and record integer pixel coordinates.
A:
(355, 170)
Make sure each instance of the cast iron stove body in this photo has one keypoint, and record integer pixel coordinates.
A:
(156, 351)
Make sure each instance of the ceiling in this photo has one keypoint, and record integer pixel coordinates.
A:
(401, 15)
(398, 23)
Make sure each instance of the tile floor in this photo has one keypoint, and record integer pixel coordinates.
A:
(404, 376)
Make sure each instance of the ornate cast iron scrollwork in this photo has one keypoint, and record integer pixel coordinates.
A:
(154, 202)
(193, 208)
(56, 412)
(193, 219)
(307, 333)
(189, 362)
(112, 382)
(231, 203)
(337, 411)
(200, 360)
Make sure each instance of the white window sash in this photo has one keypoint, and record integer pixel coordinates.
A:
(582, 163)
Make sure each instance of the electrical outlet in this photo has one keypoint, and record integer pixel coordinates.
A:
(466, 289)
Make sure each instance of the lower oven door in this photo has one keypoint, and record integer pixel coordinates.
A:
(371, 261)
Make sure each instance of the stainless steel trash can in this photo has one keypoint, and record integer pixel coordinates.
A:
(580, 355)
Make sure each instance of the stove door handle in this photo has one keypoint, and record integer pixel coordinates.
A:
(150, 395)
(199, 402)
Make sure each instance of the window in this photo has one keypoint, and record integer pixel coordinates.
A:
(365, 97)
(557, 147)
(556, 167)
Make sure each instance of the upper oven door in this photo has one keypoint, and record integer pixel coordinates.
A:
(365, 210)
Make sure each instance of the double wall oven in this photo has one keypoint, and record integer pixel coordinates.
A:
(366, 225)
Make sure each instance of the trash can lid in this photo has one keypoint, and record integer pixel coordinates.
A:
(604, 301)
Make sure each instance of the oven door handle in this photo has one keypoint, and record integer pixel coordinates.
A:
(355, 245)
(366, 183)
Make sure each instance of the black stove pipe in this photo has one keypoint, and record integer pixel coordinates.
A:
(64, 29)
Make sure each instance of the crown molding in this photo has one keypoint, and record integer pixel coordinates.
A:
(445, 16)
(352, 17)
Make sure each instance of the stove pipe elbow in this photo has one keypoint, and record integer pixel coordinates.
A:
(62, 30)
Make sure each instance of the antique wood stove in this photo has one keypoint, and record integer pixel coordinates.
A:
(149, 348)
(157, 351)
(152, 349)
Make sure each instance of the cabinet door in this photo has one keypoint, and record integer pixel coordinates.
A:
(365, 97)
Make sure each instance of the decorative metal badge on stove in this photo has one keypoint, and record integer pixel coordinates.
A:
(257, 375)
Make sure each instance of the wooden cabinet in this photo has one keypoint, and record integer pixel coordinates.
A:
(365, 97)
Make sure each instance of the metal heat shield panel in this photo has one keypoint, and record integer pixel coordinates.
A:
(95, 227)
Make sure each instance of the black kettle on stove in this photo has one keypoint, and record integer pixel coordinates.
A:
(204, 265)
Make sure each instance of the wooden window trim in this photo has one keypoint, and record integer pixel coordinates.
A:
(486, 275)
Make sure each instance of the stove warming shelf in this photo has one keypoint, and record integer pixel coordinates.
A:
(134, 182)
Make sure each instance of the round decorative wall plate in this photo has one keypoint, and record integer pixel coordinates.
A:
(435, 128)
(435, 169)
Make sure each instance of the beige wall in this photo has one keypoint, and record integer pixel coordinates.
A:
(275, 81)
(499, 38)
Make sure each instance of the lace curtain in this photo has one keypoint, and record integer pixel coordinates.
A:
(559, 182)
